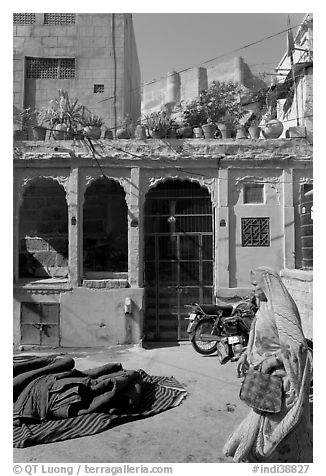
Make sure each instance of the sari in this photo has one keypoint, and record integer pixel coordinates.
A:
(284, 437)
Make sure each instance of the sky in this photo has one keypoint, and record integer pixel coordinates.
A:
(174, 41)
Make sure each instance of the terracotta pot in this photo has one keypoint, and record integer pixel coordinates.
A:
(20, 135)
(93, 132)
(38, 133)
(172, 134)
(272, 129)
(157, 134)
(254, 132)
(209, 130)
(198, 132)
(224, 130)
(78, 135)
(60, 132)
(241, 133)
(140, 132)
(108, 134)
(122, 133)
(185, 132)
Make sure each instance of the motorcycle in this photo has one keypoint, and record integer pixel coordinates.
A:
(222, 327)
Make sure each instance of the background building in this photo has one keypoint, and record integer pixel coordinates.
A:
(187, 85)
(92, 56)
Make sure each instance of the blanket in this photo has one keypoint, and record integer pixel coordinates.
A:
(53, 401)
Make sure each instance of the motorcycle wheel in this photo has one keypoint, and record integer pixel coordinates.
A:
(204, 326)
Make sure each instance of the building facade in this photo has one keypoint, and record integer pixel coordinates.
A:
(92, 56)
(109, 251)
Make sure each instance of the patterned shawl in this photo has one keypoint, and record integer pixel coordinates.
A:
(277, 328)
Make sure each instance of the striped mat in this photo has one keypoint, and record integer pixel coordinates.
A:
(158, 395)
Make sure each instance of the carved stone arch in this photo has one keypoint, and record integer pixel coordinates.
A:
(91, 179)
(26, 182)
(209, 183)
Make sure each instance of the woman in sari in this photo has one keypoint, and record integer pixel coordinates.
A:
(276, 344)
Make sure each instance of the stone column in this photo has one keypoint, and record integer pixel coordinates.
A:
(75, 228)
(288, 219)
(134, 268)
(222, 232)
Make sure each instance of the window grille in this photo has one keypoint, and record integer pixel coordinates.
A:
(50, 68)
(98, 88)
(255, 231)
(24, 18)
(253, 193)
(59, 18)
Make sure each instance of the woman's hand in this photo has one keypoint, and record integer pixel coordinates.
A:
(268, 364)
(242, 365)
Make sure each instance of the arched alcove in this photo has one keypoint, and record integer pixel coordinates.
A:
(43, 230)
(105, 229)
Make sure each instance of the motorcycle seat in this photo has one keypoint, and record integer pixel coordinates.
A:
(209, 308)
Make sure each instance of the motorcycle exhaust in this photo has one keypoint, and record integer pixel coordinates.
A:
(209, 338)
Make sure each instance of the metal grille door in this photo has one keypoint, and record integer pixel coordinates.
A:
(178, 256)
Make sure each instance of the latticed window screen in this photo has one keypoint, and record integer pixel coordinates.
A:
(255, 231)
(253, 193)
(24, 18)
(98, 88)
(50, 68)
(59, 18)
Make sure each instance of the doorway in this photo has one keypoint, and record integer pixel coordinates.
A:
(179, 257)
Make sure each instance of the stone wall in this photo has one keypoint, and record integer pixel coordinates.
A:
(300, 286)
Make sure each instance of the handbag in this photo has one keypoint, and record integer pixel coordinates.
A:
(262, 392)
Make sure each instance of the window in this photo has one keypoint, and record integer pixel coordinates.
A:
(253, 193)
(255, 231)
(59, 18)
(50, 68)
(24, 18)
(98, 88)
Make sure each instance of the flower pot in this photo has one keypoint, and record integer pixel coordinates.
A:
(122, 133)
(272, 129)
(172, 134)
(140, 132)
(38, 133)
(185, 132)
(224, 130)
(209, 130)
(254, 132)
(93, 132)
(20, 135)
(198, 132)
(78, 135)
(108, 134)
(60, 132)
(157, 133)
(241, 133)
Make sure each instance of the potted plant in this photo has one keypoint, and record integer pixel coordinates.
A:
(254, 127)
(22, 120)
(63, 115)
(125, 129)
(157, 124)
(220, 100)
(92, 125)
